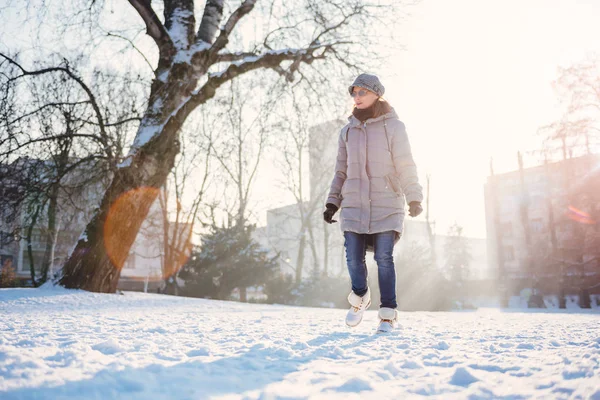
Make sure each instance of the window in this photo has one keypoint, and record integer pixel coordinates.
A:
(507, 204)
(130, 262)
(5, 238)
(506, 229)
(537, 225)
(509, 253)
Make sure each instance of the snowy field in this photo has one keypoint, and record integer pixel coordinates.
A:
(58, 344)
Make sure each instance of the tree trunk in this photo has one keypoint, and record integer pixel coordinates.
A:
(300, 259)
(325, 249)
(29, 248)
(53, 252)
(313, 249)
(96, 261)
(98, 257)
(243, 294)
(166, 256)
(562, 303)
(213, 11)
(503, 288)
(429, 225)
(524, 214)
(50, 234)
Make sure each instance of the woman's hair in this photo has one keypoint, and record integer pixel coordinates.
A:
(380, 107)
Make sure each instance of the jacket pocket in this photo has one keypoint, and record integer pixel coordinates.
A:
(392, 182)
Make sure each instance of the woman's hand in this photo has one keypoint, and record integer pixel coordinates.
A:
(414, 208)
(329, 212)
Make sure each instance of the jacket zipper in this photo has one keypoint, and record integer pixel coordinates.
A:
(367, 172)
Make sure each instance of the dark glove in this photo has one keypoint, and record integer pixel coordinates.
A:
(329, 212)
(414, 208)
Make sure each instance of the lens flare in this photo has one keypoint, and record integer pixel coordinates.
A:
(580, 216)
(126, 215)
(180, 241)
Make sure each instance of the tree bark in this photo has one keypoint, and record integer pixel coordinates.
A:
(325, 249)
(300, 259)
(29, 248)
(50, 234)
(98, 258)
(313, 248)
(213, 12)
(95, 263)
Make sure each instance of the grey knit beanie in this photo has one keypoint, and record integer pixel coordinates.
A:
(370, 82)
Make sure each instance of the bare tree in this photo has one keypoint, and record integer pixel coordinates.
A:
(306, 163)
(457, 254)
(190, 177)
(576, 134)
(58, 154)
(194, 62)
(242, 142)
(579, 89)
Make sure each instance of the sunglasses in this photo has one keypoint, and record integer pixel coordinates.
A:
(360, 93)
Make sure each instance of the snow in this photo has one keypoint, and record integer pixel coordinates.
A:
(146, 133)
(126, 162)
(58, 343)
(255, 58)
(248, 59)
(178, 31)
(164, 75)
(217, 74)
(158, 105)
(185, 56)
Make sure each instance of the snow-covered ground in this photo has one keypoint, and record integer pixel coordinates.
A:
(59, 344)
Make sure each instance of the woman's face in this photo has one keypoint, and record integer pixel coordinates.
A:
(363, 98)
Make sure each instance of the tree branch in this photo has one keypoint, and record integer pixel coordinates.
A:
(213, 12)
(281, 29)
(344, 21)
(234, 18)
(231, 57)
(154, 28)
(52, 138)
(124, 121)
(180, 22)
(103, 135)
(271, 60)
(134, 47)
(29, 114)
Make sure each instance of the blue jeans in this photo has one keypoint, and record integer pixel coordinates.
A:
(356, 250)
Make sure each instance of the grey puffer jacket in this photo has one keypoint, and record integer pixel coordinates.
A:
(374, 175)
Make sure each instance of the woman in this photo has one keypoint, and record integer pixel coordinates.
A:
(374, 173)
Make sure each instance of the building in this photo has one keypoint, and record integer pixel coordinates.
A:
(323, 243)
(541, 225)
(28, 201)
(416, 231)
(143, 270)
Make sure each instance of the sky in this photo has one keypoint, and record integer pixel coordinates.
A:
(473, 82)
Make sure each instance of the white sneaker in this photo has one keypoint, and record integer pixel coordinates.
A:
(359, 305)
(388, 320)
